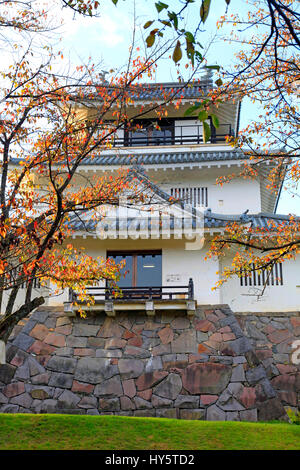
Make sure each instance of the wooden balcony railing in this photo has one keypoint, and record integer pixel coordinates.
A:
(169, 135)
(102, 294)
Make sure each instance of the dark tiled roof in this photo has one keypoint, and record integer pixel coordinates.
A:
(211, 220)
(160, 91)
(261, 220)
(155, 158)
(88, 223)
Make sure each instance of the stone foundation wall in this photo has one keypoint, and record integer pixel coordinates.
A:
(276, 341)
(214, 366)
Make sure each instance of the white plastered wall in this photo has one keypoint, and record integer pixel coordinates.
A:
(178, 264)
(282, 298)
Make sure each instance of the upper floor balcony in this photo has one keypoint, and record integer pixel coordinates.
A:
(171, 134)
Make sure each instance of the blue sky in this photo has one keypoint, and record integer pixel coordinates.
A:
(107, 39)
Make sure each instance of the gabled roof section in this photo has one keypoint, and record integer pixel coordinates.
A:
(209, 220)
(262, 220)
(158, 91)
(166, 158)
(212, 220)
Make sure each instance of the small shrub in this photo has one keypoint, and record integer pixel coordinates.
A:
(294, 416)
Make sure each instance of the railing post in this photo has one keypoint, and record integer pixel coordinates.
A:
(191, 289)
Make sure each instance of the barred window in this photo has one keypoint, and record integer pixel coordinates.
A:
(263, 277)
(196, 196)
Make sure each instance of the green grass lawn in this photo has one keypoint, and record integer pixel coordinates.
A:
(73, 432)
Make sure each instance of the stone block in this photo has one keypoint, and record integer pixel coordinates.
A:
(40, 316)
(40, 348)
(77, 342)
(185, 343)
(270, 410)
(115, 343)
(61, 321)
(202, 337)
(35, 368)
(192, 413)
(108, 353)
(39, 332)
(80, 329)
(41, 379)
(228, 403)
(228, 321)
(18, 358)
(3, 399)
(64, 330)
(136, 341)
(180, 323)
(279, 336)
(159, 402)
(206, 400)
(55, 339)
(95, 342)
(110, 387)
(142, 404)
(288, 398)
(71, 411)
(62, 364)
(61, 380)
(82, 352)
(22, 372)
(236, 329)
(88, 403)
(187, 401)
(39, 394)
(161, 349)
(204, 326)
(232, 416)
(206, 378)
(14, 389)
(129, 388)
(238, 373)
(23, 341)
(132, 351)
(170, 387)
(29, 326)
(255, 374)
(92, 412)
(271, 371)
(145, 413)
(237, 347)
(249, 415)
(111, 329)
(82, 387)
(68, 399)
(109, 404)
(49, 406)
(214, 413)
(247, 396)
(127, 404)
(10, 408)
(154, 363)
(254, 332)
(170, 413)
(130, 368)
(166, 335)
(94, 370)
